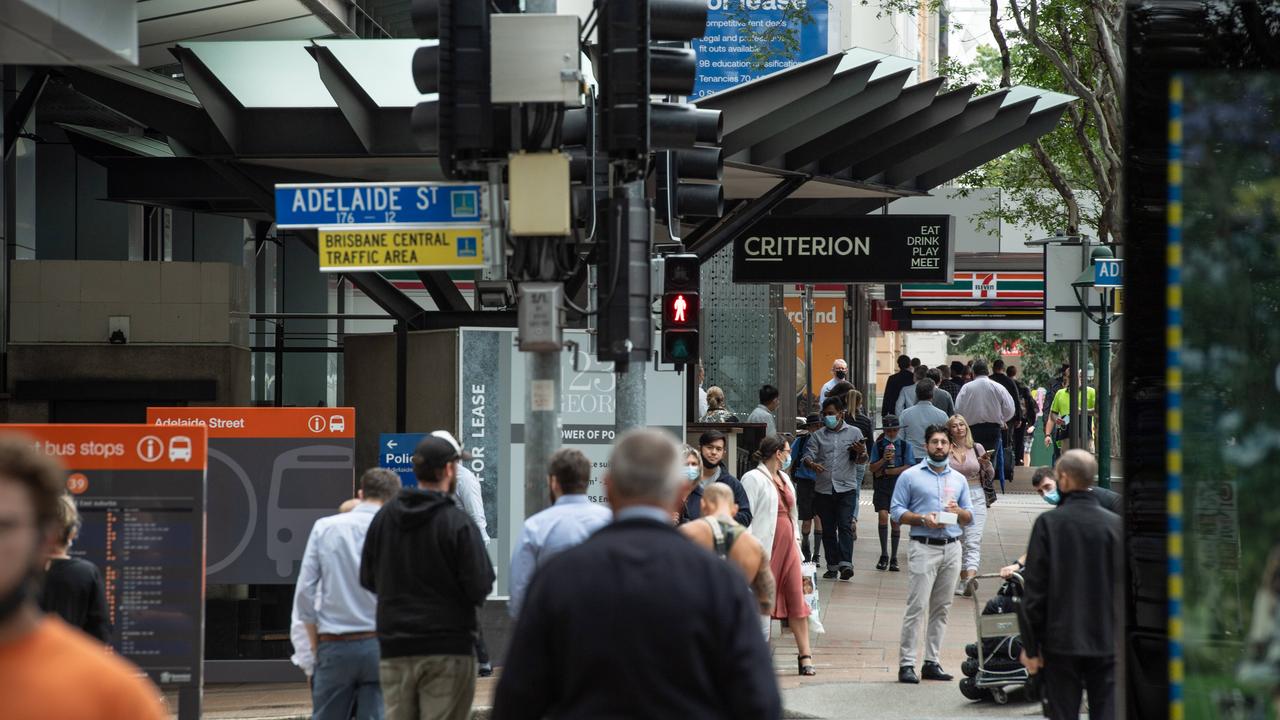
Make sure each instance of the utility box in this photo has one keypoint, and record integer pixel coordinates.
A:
(539, 186)
(535, 59)
(541, 317)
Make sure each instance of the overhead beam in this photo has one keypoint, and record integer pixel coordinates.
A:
(15, 118)
(744, 216)
(444, 293)
(381, 130)
(943, 108)
(380, 290)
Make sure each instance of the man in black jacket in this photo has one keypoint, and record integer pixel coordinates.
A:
(1070, 584)
(425, 560)
(637, 621)
(893, 386)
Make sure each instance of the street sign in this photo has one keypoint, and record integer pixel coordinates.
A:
(316, 205)
(858, 249)
(1108, 272)
(395, 453)
(401, 247)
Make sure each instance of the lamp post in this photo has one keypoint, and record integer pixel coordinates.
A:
(1104, 274)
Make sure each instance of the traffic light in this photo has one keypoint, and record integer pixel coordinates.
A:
(461, 125)
(689, 184)
(681, 308)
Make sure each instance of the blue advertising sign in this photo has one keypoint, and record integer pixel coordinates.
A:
(395, 453)
(313, 205)
(724, 56)
(1108, 272)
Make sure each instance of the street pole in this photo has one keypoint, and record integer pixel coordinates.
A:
(1104, 395)
(542, 431)
(808, 342)
(630, 412)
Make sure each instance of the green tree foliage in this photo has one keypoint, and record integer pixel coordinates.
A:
(1038, 364)
(772, 39)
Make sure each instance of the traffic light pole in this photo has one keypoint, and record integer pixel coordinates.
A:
(630, 412)
(542, 439)
(1104, 396)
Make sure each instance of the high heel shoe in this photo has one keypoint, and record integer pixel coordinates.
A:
(805, 669)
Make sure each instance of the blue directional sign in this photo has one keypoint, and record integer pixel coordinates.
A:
(1108, 272)
(395, 453)
(313, 205)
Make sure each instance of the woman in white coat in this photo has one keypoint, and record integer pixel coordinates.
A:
(776, 524)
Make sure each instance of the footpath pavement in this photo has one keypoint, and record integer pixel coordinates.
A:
(856, 659)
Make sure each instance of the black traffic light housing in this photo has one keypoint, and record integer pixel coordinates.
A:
(681, 309)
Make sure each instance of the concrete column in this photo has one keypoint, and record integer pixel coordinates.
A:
(542, 398)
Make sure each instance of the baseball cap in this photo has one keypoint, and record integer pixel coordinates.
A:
(890, 422)
(448, 436)
(432, 454)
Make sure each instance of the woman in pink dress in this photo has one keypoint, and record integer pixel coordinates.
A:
(784, 560)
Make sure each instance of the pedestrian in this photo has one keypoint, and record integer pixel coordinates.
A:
(774, 524)
(834, 454)
(1058, 425)
(637, 621)
(470, 498)
(701, 379)
(915, 363)
(919, 417)
(891, 455)
(1004, 452)
(718, 532)
(986, 406)
(973, 461)
(934, 500)
(339, 615)
(1045, 483)
(941, 399)
(1026, 423)
(894, 384)
(857, 417)
(571, 519)
(763, 413)
(692, 469)
(803, 478)
(51, 671)
(948, 382)
(73, 588)
(1071, 581)
(425, 560)
(839, 373)
(303, 653)
(716, 410)
(711, 447)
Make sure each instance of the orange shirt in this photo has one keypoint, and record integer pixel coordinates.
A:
(59, 673)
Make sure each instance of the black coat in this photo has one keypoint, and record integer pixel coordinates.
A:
(1071, 579)
(74, 591)
(693, 504)
(425, 560)
(638, 622)
(892, 387)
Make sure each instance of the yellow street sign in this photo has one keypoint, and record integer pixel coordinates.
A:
(1119, 302)
(401, 247)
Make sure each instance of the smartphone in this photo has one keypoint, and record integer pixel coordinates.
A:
(988, 454)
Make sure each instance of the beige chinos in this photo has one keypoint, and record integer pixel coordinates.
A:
(932, 574)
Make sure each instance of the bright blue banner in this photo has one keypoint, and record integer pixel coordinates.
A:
(724, 60)
(330, 204)
(395, 453)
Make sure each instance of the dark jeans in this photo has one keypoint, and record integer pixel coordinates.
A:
(346, 677)
(1065, 676)
(1019, 444)
(837, 513)
(988, 436)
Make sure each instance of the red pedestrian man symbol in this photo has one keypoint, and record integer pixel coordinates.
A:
(680, 305)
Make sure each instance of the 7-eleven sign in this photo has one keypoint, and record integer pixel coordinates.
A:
(984, 285)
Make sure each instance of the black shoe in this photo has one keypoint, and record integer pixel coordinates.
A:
(893, 565)
(884, 562)
(907, 674)
(846, 573)
(933, 671)
(829, 575)
(806, 670)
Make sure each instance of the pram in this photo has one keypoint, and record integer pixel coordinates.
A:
(993, 669)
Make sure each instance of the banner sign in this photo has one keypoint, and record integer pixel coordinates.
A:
(314, 205)
(978, 286)
(395, 453)
(860, 249)
(400, 247)
(272, 473)
(141, 495)
(725, 55)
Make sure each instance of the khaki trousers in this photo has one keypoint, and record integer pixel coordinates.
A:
(932, 574)
(428, 687)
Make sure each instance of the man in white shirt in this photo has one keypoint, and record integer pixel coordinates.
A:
(770, 399)
(468, 490)
(985, 405)
(341, 616)
(839, 373)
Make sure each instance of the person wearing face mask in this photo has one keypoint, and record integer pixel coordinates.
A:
(775, 524)
(891, 455)
(1046, 484)
(839, 373)
(51, 671)
(835, 454)
(711, 447)
(425, 560)
(932, 498)
(571, 519)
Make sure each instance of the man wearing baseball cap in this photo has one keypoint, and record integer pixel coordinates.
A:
(425, 560)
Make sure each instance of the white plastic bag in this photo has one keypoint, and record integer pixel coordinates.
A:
(809, 583)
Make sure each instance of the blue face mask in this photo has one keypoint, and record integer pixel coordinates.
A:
(786, 462)
(1053, 498)
(937, 464)
(831, 421)
(691, 472)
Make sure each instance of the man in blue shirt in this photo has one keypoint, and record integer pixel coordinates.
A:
(835, 455)
(339, 615)
(933, 499)
(890, 457)
(571, 519)
(804, 479)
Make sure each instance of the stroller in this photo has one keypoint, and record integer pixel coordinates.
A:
(992, 669)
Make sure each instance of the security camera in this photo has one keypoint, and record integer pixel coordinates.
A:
(954, 338)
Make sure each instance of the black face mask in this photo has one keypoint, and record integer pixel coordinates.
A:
(707, 463)
(840, 374)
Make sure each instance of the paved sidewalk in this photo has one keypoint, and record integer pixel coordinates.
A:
(857, 658)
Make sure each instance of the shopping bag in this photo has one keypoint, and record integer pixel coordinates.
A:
(809, 583)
